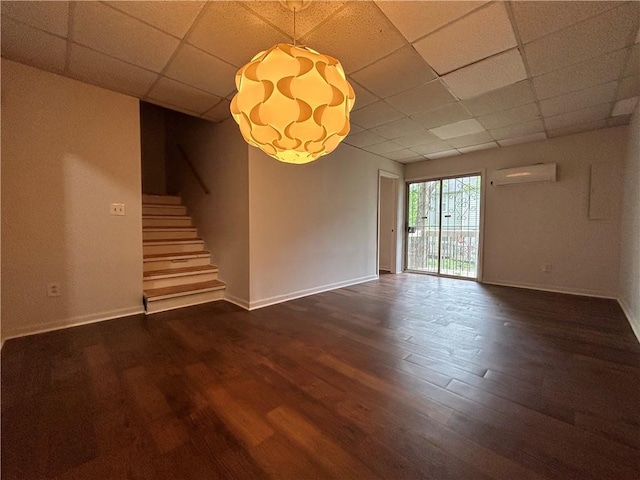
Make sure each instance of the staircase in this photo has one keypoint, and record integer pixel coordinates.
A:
(177, 269)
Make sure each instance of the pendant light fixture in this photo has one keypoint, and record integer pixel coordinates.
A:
(293, 103)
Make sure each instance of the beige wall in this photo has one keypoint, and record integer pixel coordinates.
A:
(152, 133)
(630, 238)
(69, 150)
(532, 224)
(220, 156)
(312, 227)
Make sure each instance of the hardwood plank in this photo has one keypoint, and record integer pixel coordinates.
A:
(325, 452)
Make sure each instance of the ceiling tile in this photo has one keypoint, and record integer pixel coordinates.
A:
(534, 137)
(396, 73)
(172, 17)
(31, 46)
(517, 130)
(536, 19)
(108, 72)
(633, 63)
(490, 74)
(629, 87)
(416, 19)
(384, 147)
(374, 115)
(397, 128)
(425, 97)
(219, 112)
(589, 114)
(177, 94)
(118, 35)
(582, 75)
(430, 148)
(306, 20)
(475, 148)
(584, 127)
(353, 128)
(624, 107)
(52, 17)
(363, 97)
(233, 33)
(458, 129)
(450, 113)
(199, 69)
(357, 35)
(569, 102)
(404, 154)
(446, 153)
(417, 138)
(520, 114)
(469, 140)
(501, 99)
(479, 35)
(619, 120)
(591, 38)
(363, 139)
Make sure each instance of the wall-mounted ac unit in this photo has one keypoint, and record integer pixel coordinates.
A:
(542, 172)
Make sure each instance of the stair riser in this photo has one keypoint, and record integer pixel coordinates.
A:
(164, 210)
(168, 235)
(161, 199)
(176, 247)
(184, 301)
(174, 281)
(166, 222)
(166, 264)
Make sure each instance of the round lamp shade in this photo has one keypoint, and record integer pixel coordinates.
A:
(293, 103)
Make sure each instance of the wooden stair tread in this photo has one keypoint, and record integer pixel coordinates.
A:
(182, 229)
(163, 216)
(163, 205)
(187, 288)
(179, 271)
(200, 253)
(172, 240)
(167, 198)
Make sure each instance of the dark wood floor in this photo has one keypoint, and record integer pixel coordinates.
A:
(406, 377)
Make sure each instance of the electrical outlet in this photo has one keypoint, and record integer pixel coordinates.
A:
(117, 209)
(546, 267)
(53, 289)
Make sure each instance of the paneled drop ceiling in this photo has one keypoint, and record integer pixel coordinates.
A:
(432, 79)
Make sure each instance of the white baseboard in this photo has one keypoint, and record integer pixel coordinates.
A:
(569, 291)
(633, 320)
(309, 291)
(240, 302)
(70, 322)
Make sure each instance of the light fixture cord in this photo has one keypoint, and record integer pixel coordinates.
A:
(294, 26)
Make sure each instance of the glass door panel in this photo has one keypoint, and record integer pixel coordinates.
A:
(460, 226)
(423, 235)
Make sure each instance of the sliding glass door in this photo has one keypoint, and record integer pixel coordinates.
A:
(443, 233)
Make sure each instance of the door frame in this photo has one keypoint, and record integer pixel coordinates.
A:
(483, 193)
(395, 260)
